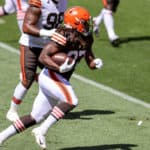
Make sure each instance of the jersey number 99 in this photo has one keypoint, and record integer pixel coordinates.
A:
(54, 20)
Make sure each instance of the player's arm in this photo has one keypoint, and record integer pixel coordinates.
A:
(92, 62)
(32, 18)
(45, 56)
(56, 45)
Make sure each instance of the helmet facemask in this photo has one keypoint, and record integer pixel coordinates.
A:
(86, 27)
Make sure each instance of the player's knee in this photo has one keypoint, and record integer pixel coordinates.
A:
(66, 107)
(75, 102)
(37, 117)
(27, 82)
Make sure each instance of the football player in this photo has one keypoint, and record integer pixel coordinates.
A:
(40, 20)
(56, 96)
(106, 15)
(15, 6)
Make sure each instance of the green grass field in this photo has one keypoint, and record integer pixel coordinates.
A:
(103, 120)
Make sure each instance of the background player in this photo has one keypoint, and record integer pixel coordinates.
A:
(15, 6)
(106, 15)
(40, 20)
(56, 96)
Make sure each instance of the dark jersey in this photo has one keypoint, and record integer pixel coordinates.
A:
(74, 44)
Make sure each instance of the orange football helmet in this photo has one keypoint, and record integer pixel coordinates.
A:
(78, 18)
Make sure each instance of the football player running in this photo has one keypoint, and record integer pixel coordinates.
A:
(15, 6)
(56, 96)
(106, 15)
(40, 20)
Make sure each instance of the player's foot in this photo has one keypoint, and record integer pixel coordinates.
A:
(12, 115)
(96, 32)
(115, 42)
(40, 138)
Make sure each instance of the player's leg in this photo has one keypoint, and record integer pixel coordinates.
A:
(41, 109)
(17, 127)
(97, 21)
(62, 92)
(109, 25)
(110, 8)
(28, 60)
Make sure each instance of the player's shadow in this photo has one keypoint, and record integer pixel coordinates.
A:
(89, 112)
(131, 39)
(104, 147)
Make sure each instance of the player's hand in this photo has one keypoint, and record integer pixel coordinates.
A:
(47, 33)
(65, 67)
(98, 63)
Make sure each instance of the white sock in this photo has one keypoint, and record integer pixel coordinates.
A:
(99, 18)
(7, 133)
(19, 94)
(109, 24)
(47, 124)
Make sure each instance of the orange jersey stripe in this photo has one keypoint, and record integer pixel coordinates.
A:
(19, 4)
(22, 49)
(59, 38)
(36, 3)
(62, 87)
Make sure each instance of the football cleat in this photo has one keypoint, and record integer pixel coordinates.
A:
(12, 115)
(96, 32)
(115, 42)
(39, 137)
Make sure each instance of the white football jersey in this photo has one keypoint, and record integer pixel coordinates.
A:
(51, 17)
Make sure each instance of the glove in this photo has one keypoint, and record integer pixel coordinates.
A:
(65, 67)
(98, 63)
(47, 33)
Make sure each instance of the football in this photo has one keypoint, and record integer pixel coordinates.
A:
(60, 58)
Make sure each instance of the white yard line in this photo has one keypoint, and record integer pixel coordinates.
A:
(91, 82)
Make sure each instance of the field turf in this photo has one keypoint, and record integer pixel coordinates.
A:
(103, 119)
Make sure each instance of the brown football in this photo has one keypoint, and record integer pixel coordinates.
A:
(59, 58)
